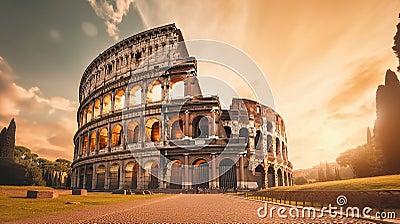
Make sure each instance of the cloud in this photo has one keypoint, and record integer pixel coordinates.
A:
(54, 35)
(364, 78)
(42, 123)
(89, 29)
(112, 12)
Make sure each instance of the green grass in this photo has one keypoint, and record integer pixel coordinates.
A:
(390, 182)
(14, 205)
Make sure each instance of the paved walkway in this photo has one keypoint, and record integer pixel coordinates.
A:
(206, 208)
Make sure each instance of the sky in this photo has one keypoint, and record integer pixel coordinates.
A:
(323, 61)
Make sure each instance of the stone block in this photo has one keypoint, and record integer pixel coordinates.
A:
(41, 194)
(79, 192)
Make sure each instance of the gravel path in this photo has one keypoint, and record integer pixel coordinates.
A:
(205, 208)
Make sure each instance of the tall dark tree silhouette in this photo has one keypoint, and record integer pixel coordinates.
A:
(396, 47)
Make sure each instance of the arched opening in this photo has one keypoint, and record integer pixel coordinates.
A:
(228, 131)
(269, 126)
(280, 177)
(131, 172)
(278, 147)
(81, 178)
(103, 138)
(101, 177)
(176, 174)
(155, 91)
(155, 132)
(96, 111)
(133, 132)
(200, 127)
(114, 176)
(271, 177)
(269, 143)
(258, 140)
(89, 178)
(150, 175)
(244, 133)
(177, 90)
(84, 117)
(119, 101)
(283, 151)
(227, 174)
(85, 144)
(177, 129)
(135, 96)
(285, 179)
(201, 174)
(89, 112)
(260, 176)
(116, 135)
(106, 104)
(93, 141)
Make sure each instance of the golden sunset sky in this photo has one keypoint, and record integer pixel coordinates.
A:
(323, 60)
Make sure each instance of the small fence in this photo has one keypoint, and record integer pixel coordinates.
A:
(378, 199)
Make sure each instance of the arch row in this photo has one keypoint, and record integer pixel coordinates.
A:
(205, 173)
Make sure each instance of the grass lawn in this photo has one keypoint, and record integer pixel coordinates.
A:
(390, 182)
(14, 205)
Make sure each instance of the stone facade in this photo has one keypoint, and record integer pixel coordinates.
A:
(132, 134)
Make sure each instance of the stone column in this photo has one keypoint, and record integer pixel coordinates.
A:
(186, 125)
(186, 182)
(94, 177)
(142, 130)
(242, 174)
(107, 176)
(140, 179)
(88, 144)
(97, 141)
(92, 118)
(214, 174)
(101, 105)
(109, 133)
(84, 179)
(73, 179)
(122, 175)
(112, 101)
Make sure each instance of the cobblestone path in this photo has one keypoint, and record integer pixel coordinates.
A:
(201, 208)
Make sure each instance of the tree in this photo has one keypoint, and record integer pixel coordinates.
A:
(34, 175)
(300, 180)
(321, 174)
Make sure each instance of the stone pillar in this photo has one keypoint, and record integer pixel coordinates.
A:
(97, 141)
(101, 106)
(84, 179)
(122, 175)
(107, 176)
(214, 174)
(109, 133)
(112, 101)
(94, 177)
(92, 118)
(242, 174)
(186, 125)
(186, 182)
(88, 144)
(140, 179)
(73, 179)
(142, 130)
(127, 97)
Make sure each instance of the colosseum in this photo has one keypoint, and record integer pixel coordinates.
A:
(132, 134)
